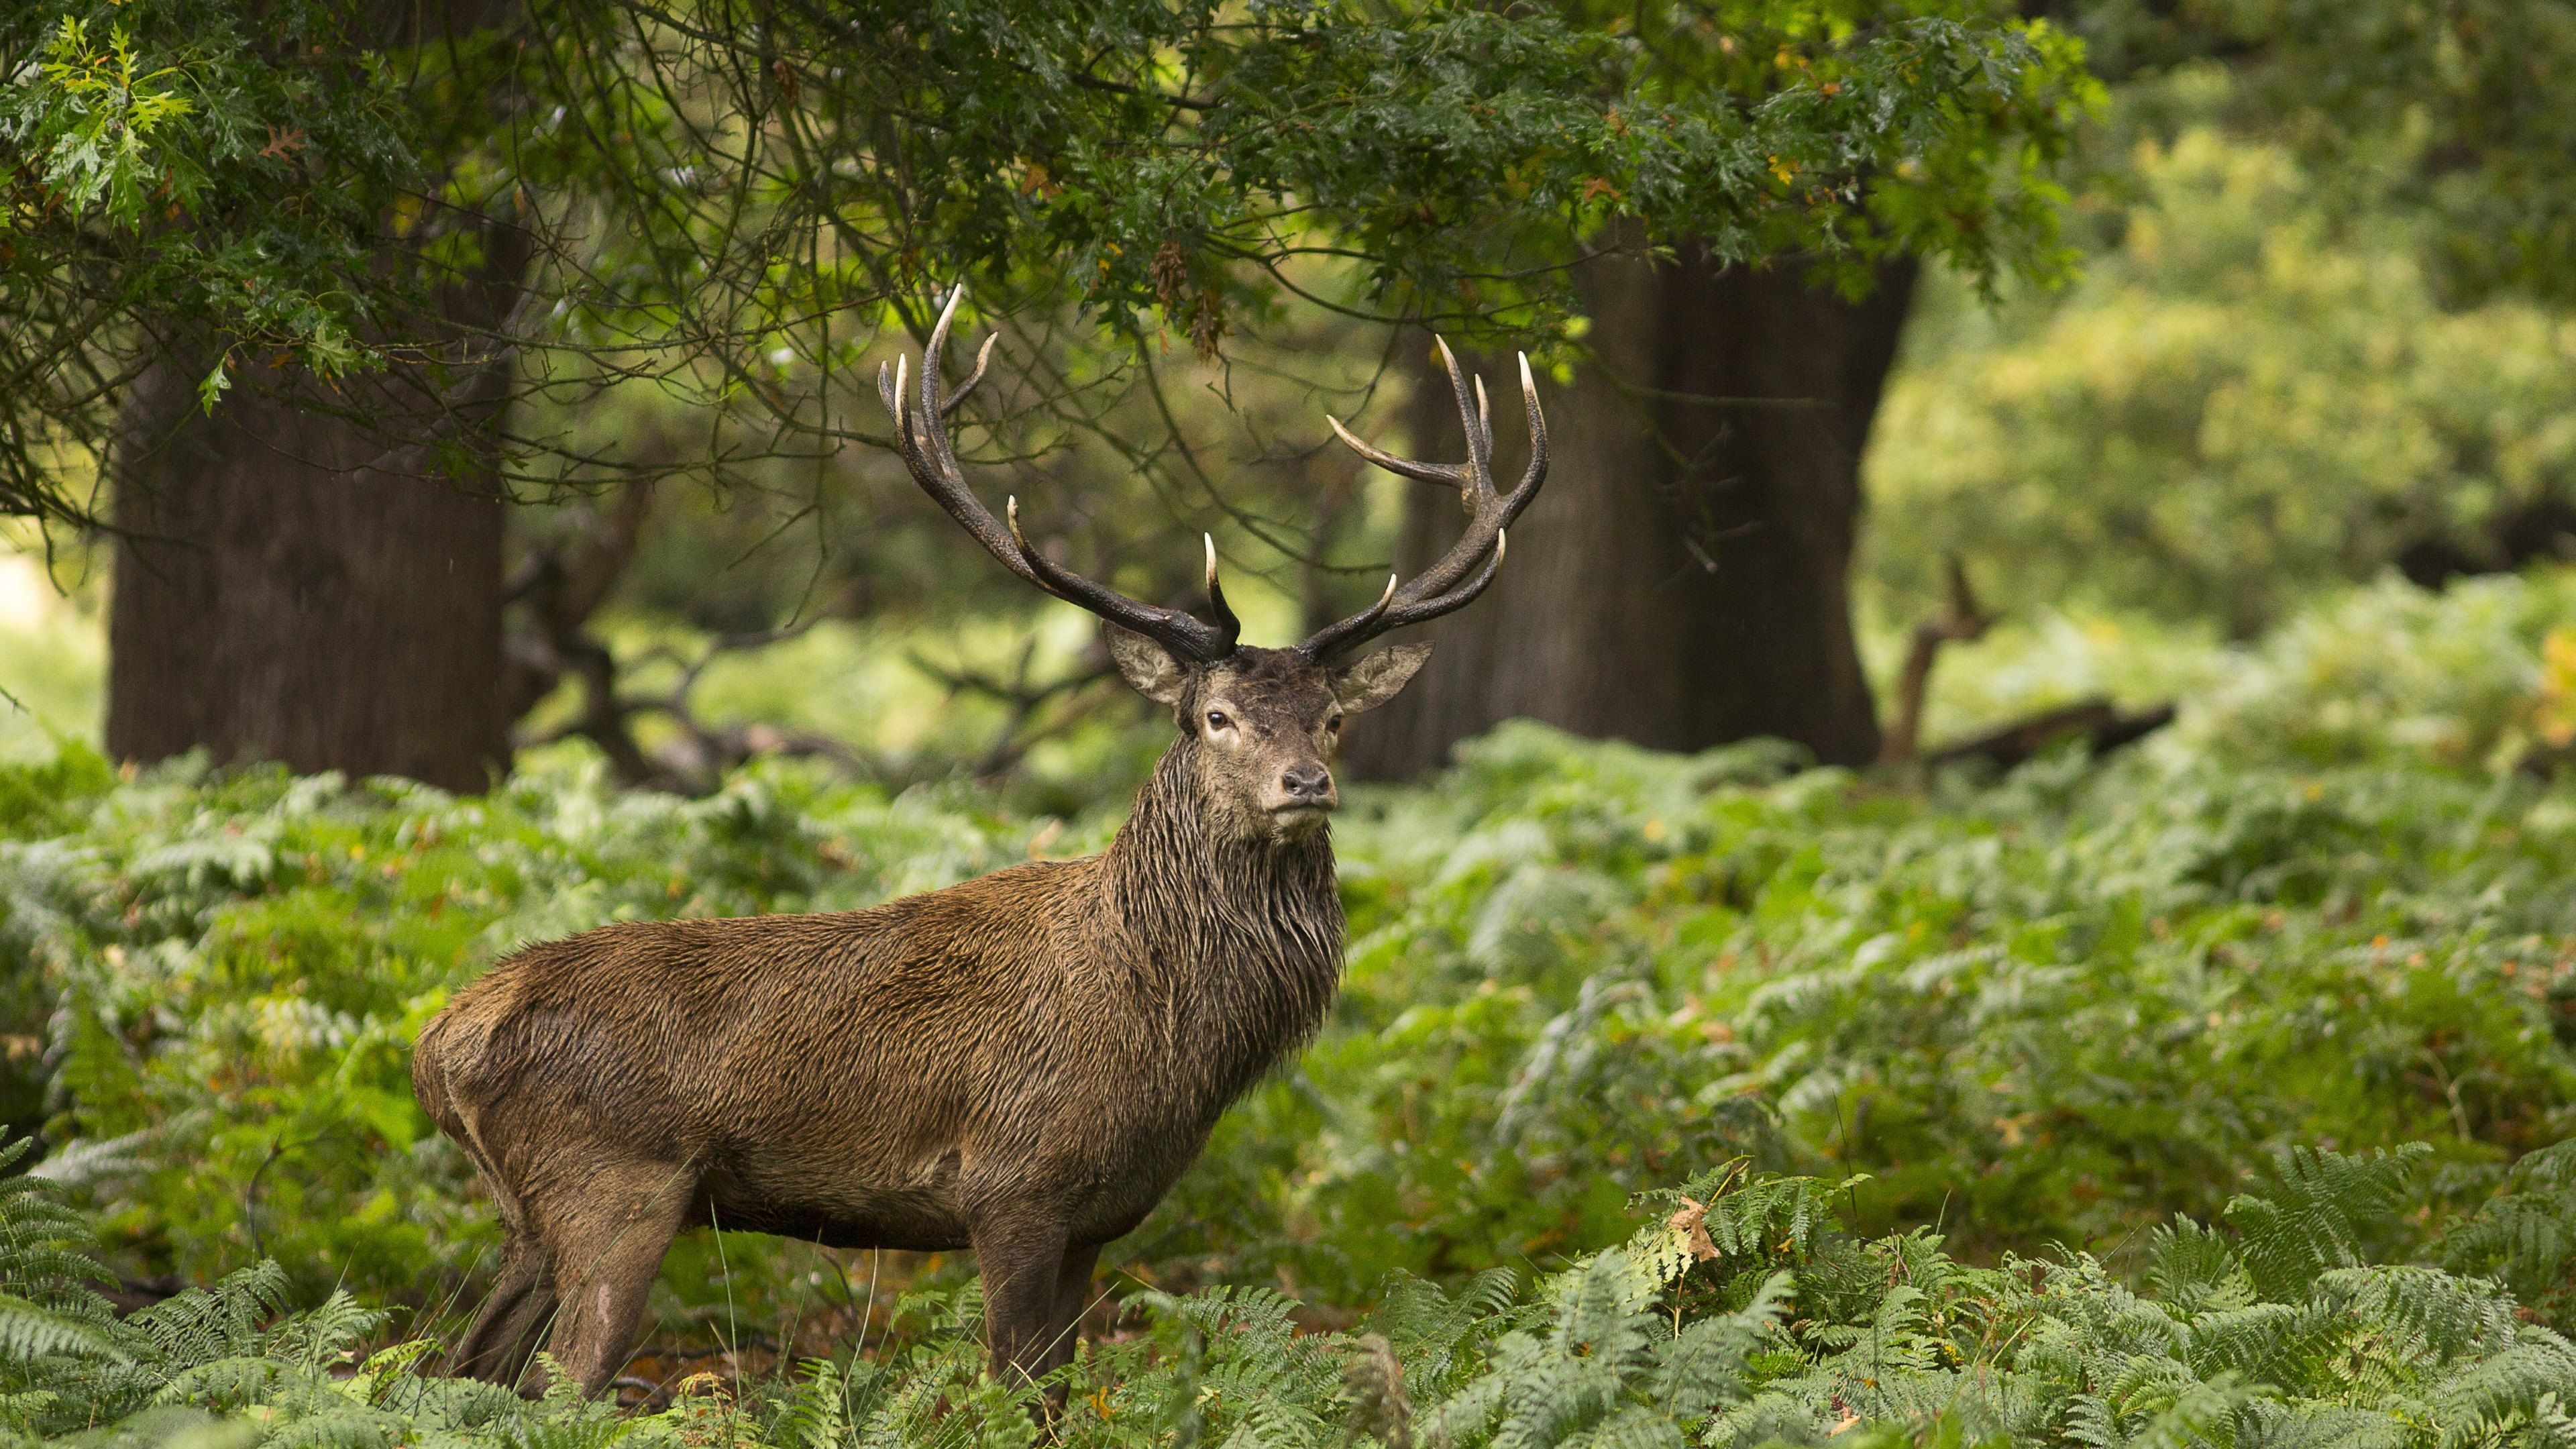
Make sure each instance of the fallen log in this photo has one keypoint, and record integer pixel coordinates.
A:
(2102, 724)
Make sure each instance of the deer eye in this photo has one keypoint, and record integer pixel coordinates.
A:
(1334, 724)
(1218, 721)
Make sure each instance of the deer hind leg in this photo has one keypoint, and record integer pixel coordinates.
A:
(514, 1318)
(605, 1247)
(521, 1306)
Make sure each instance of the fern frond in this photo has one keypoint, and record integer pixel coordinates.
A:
(2193, 1270)
(2252, 1341)
(2201, 1413)
(340, 1426)
(815, 1412)
(2267, 1424)
(32, 1330)
(2504, 1387)
(2552, 1425)
(1780, 1414)
(224, 1383)
(201, 1325)
(2553, 1166)
(2453, 1315)
(2308, 1219)
(1633, 1427)
(324, 1335)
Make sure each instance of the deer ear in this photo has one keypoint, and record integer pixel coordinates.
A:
(1154, 672)
(1374, 680)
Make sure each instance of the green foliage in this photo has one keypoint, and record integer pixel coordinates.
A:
(2056, 1009)
(2526, 1234)
(186, 163)
(96, 143)
(1135, 154)
(730, 201)
(1667, 1340)
(2478, 678)
(2448, 101)
(2243, 403)
(2312, 1220)
(2467, 682)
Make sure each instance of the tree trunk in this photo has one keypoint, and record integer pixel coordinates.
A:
(286, 591)
(1682, 580)
(311, 574)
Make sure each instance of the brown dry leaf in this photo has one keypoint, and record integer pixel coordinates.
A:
(1691, 1221)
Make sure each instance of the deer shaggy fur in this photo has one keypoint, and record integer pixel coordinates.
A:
(1022, 1064)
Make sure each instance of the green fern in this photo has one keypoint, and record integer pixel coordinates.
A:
(2526, 1234)
(2313, 1215)
(1879, 1344)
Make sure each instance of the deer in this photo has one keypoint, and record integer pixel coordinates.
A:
(1022, 1064)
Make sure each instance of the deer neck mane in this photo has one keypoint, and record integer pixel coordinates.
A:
(1242, 939)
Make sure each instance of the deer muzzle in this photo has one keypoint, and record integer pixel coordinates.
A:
(1303, 790)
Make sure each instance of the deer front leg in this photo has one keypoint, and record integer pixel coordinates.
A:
(1072, 1297)
(1021, 1261)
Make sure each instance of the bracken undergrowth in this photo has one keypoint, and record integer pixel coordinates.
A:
(1971, 1063)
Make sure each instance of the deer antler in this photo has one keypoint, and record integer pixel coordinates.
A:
(922, 433)
(1438, 589)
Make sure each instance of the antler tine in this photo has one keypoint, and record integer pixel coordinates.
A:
(1185, 636)
(966, 389)
(923, 440)
(1447, 585)
(1460, 597)
(1226, 623)
(1536, 472)
(1480, 439)
(933, 354)
(1447, 475)
(1333, 638)
(1488, 513)
(934, 466)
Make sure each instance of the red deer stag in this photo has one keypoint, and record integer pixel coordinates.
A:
(1022, 1064)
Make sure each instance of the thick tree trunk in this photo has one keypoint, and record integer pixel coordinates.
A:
(313, 575)
(1682, 581)
(295, 586)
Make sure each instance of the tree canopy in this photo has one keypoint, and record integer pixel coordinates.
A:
(732, 199)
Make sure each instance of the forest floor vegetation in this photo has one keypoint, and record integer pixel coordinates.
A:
(2221, 1091)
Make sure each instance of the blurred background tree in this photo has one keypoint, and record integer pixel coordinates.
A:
(2244, 401)
(562, 199)
(2350, 219)
(2320, 331)
(546, 337)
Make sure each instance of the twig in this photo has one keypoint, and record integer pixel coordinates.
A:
(1961, 620)
(1021, 698)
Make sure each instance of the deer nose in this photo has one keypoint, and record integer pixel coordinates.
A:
(1307, 783)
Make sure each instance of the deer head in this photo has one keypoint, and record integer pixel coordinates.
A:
(1260, 726)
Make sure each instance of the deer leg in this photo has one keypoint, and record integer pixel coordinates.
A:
(606, 1250)
(1072, 1297)
(513, 1318)
(1021, 1263)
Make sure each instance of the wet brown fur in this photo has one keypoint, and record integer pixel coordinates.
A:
(1022, 1064)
